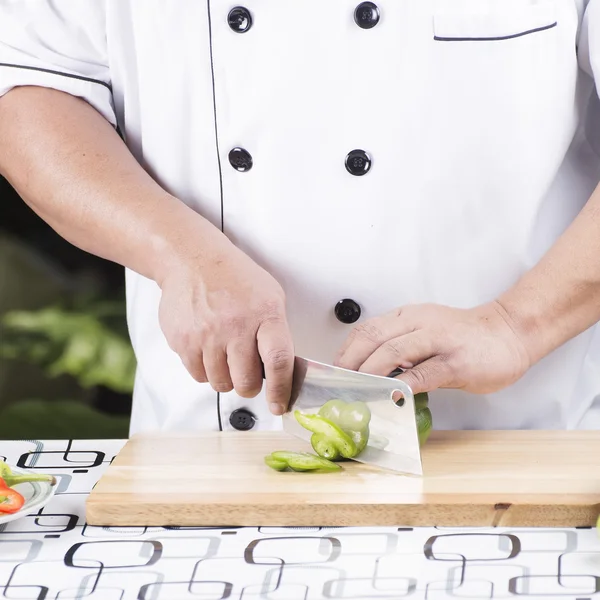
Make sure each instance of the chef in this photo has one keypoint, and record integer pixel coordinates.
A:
(369, 184)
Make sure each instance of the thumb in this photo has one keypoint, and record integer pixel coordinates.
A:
(427, 376)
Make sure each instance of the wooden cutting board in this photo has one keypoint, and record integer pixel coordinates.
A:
(472, 478)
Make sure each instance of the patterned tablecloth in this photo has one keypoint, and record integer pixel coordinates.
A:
(53, 554)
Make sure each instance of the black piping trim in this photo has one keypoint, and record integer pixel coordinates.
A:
(493, 39)
(70, 75)
(214, 93)
(219, 411)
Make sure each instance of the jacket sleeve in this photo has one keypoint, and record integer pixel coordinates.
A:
(59, 44)
(589, 41)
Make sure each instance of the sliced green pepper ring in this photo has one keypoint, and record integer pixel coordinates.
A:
(299, 461)
(278, 465)
(324, 446)
(331, 432)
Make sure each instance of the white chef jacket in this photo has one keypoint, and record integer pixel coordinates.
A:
(477, 130)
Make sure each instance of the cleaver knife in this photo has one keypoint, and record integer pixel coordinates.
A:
(393, 440)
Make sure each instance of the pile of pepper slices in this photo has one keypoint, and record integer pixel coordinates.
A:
(339, 431)
(12, 501)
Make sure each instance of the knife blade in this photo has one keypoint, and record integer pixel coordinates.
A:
(393, 441)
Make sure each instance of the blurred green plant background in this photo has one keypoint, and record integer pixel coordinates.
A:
(66, 363)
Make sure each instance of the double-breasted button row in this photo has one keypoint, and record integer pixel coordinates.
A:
(357, 162)
(366, 16)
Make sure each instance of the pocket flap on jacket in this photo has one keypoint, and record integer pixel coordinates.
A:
(492, 23)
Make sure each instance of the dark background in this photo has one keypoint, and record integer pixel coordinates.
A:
(66, 365)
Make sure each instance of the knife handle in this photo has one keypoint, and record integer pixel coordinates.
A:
(396, 372)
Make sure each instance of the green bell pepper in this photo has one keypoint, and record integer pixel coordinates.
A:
(340, 430)
(353, 417)
(423, 416)
(336, 421)
(299, 461)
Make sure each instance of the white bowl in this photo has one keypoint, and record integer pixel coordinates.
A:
(36, 493)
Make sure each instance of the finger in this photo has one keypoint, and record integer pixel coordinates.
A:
(429, 375)
(195, 367)
(410, 349)
(245, 367)
(277, 352)
(365, 338)
(217, 370)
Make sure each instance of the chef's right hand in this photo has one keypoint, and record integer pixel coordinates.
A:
(225, 317)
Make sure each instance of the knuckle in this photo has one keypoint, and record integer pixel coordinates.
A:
(395, 347)
(420, 376)
(277, 390)
(195, 369)
(203, 331)
(189, 344)
(369, 331)
(222, 387)
(279, 359)
(247, 388)
(453, 372)
(450, 363)
(271, 311)
(232, 323)
(199, 375)
(248, 379)
(181, 339)
(193, 340)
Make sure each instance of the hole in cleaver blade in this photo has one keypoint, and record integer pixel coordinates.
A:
(397, 395)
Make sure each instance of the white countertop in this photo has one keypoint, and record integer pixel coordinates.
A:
(53, 554)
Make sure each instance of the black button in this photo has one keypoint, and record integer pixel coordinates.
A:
(240, 160)
(358, 162)
(366, 15)
(242, 419)
(239, 19)
(347, 311)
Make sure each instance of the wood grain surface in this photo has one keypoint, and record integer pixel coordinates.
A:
(472, 478)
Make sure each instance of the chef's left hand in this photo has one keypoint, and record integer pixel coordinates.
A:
(477, 350)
